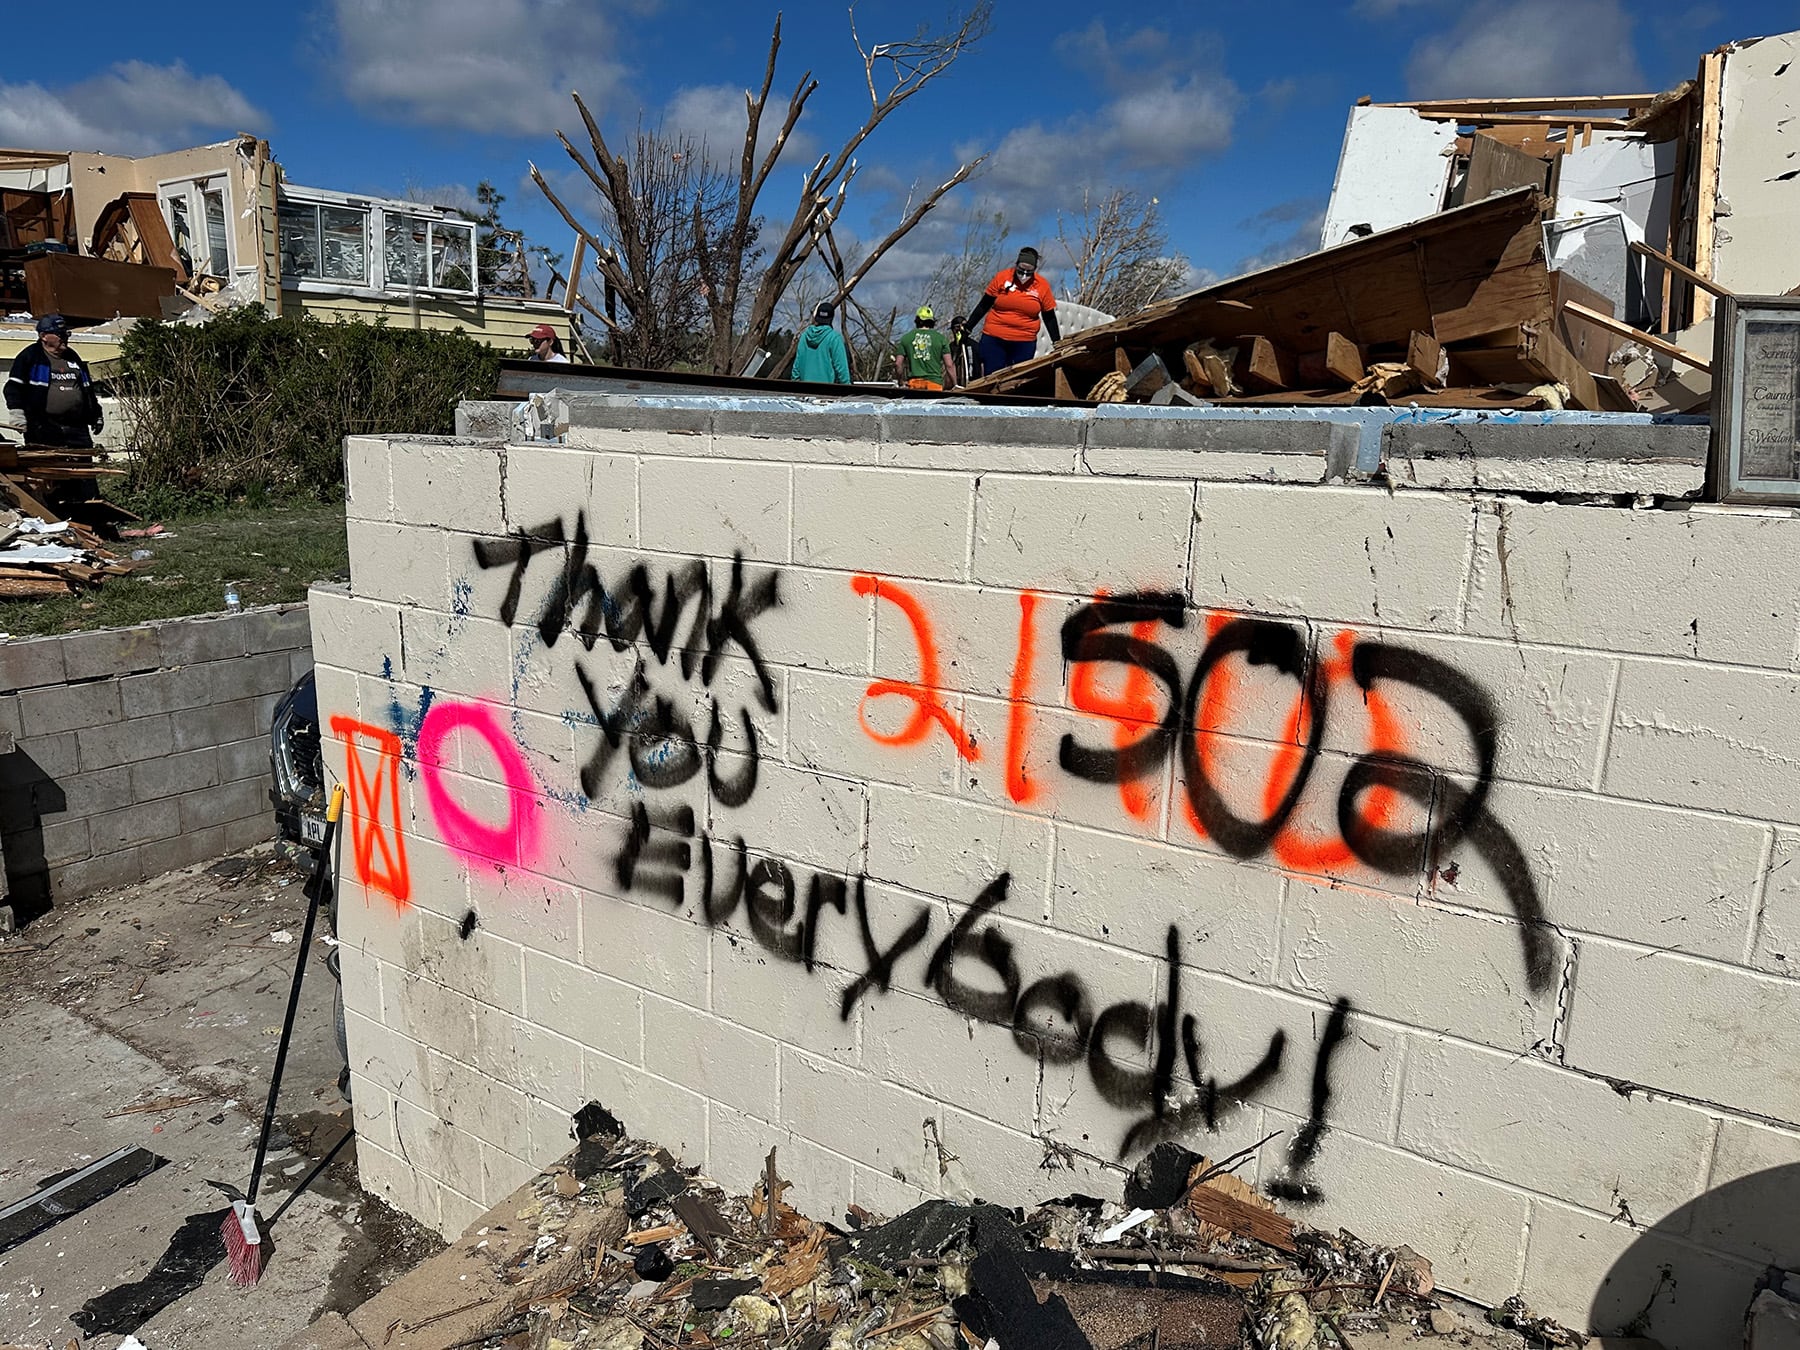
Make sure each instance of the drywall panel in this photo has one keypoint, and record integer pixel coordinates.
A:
(1394, 170)
(1759, 168)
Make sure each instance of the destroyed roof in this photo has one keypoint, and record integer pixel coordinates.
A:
(1455, 277)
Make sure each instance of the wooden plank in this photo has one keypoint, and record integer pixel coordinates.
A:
(1343, 358)
(1706, 200)
(1682, 269)
(11, 487)
(1265, 365)
(1544, 349)
(572, 287)
(1063, 388)
(1650, 340)
(1668, 278)
(1522, 119)
(1496, 167)
(1580, 102)
(1121, 362)
(1425, 358)
(1246, 1220)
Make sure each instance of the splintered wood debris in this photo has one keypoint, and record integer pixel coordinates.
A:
(50, 518)
(1458, 310)
(1193, 1258)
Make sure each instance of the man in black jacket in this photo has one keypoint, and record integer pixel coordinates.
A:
(50, 383)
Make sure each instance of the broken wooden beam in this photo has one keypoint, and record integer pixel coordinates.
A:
(1649, 340)
(1425, 358)
(1265, 365)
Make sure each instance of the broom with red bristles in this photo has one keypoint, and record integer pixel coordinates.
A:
(243, 1243)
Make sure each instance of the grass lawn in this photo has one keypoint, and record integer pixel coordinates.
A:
(273, 553)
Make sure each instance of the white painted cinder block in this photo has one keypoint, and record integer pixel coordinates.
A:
(1672, 583)
(715, 507)
(1333, 553)
(447, 485)
(1081, 534)
(1618, 689)
(883, 520)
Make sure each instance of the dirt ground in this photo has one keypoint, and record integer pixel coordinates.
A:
(170, 994)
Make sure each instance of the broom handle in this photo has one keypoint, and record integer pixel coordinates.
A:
(287, 1027)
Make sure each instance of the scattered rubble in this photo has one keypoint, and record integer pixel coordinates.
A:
(1193, 1258)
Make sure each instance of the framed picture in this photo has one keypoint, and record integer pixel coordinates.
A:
(1756, 400)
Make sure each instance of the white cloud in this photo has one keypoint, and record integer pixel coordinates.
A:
(714, 116)
(133, 108)
(502, 66)
(1295, 226)
(1530, 47)
(1168, 109)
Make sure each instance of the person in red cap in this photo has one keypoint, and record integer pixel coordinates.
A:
(546, 345)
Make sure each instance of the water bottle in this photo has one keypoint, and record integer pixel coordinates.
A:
(232, 602)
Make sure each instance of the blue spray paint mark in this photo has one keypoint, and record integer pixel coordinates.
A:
(406, 724)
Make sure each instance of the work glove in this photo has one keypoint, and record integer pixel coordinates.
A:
(960, 336)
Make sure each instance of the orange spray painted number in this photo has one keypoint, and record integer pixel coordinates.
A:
(928, 704)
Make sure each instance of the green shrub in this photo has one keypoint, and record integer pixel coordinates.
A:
(247, 405)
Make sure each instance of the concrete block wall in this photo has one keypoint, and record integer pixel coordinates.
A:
(963, 802)
(139, 750)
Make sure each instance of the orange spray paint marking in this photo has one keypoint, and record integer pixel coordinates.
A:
(370, 832)
(1312, 853)
(928, 705)
(1018, 712)
(1213, 712)
(1133, 708)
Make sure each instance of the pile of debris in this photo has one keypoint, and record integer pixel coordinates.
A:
(50, 521)
(1193, 1257)
(1458, 310)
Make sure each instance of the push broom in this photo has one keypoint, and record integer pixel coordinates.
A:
(243, 1242)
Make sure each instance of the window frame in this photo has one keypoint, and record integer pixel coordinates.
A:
(192, 193)
(379, 215)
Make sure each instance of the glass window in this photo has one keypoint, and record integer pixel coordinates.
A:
(325, 243)
(405, 243)
(344, 244)
(452, 256)
(299, 235)
(419, 251)
(218, 244)
(181, 229)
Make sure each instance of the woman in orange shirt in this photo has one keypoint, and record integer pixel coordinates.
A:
(1019, 299)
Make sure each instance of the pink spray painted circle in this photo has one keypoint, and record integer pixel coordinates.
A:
(514, 843)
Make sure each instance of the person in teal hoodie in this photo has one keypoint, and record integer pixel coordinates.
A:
(819, 356)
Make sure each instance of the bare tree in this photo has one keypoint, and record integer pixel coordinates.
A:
(1117, 251)
(741, 299)
(958, 280)
(655, 209)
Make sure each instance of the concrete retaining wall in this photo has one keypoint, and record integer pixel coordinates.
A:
(139, 750)
(964, 801)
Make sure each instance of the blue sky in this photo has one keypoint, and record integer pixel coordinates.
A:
(1230, 115)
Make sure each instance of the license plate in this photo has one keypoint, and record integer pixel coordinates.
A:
(312, 829)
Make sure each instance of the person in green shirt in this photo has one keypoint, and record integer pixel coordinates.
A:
(819, 356)
(924, 358)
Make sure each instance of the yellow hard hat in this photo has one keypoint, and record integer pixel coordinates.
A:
(925, 315)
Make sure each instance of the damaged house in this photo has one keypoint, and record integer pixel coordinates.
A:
(1553, 252)
(107, 239)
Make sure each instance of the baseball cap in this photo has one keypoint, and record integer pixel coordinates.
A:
(925, 314)
(53, 323)
(543, 330)
(823, 313)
